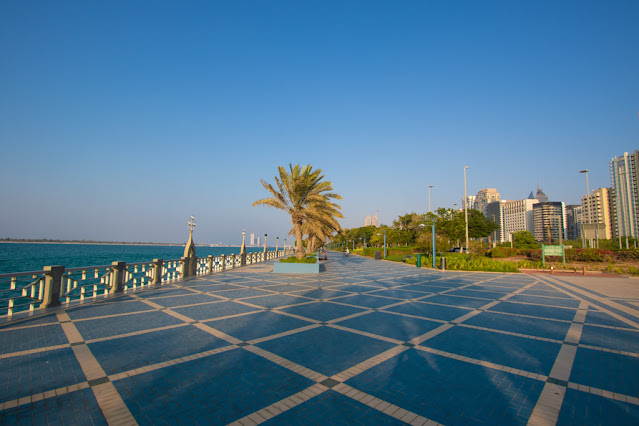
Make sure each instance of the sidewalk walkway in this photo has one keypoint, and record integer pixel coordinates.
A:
(365, 341)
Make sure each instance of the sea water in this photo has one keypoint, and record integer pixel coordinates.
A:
(23, 257)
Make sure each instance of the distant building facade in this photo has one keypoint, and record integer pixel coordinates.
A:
(495, 212)
(368, 220)
(374, 222)
(549, 219)
(540, 196)
(624, 175)
(252, 239)
(573, 221)
(596, 215)
(470, 200)
(518, 216)
(484, 197)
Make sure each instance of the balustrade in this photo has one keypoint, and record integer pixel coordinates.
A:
(56, 285)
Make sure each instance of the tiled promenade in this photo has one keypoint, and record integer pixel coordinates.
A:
(365, 342)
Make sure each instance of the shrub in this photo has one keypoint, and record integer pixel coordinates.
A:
(294, 259)
(500, 252)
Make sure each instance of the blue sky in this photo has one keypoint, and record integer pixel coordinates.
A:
(121, 119)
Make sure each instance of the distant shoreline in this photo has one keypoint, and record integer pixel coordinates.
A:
(104, 243)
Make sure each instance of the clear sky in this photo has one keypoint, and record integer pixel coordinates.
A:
(121, 119)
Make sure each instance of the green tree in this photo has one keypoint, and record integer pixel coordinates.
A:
(306, 197)
(524, 240)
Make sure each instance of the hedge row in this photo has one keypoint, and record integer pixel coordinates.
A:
(577, 255)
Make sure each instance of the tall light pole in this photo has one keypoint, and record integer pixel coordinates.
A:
(384, 243)
(429, 187)
(466, 207)
(587, 201)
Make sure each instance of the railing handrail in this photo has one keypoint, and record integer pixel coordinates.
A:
(115, 278)
(87, 268)
(21, 274)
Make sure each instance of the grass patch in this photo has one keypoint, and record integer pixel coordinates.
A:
(467, 262)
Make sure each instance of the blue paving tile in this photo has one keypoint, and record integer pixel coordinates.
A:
(321, 293)
(366, 301)
(38, 372)
(276, 301)
(322, 311)
(332, 408)
(400, 293)
(238, 294)
(535, 310)
(356, 288)
(519, 352)
(427, 310)
(480, 294)
(214, 310)
(348, 280)
(604, 370)
(284, 288)
(424, 288)
(22, 339)
(602, 318)
(254, 326)
(96, 329)
(450, 391)
(163, 292)
(550, 301)
(389, 325)
(192, 299)
(215, 287)
(466, 302)
(214, 390)
(107, 308)
(544, 291)
(325, 349)
(581, 408)
(621, 340)
(118, 355)
(493, 288)
(530, 326)
(78, 407)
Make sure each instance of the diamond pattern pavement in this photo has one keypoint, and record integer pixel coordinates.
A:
(363, 342)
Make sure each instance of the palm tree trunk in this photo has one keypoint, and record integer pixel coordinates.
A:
(299, 248)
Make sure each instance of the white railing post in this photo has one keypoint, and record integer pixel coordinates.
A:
(52, 285)
(117, 271)
(223, 262)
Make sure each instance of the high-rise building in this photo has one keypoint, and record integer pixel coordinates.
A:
(374, 221)
(471, 202)
(258, 241)
(596, 217)
(495, 212)
(518, 216)
(549, 220)
(624, 174)
(252, 239)
(367, 220)
(540, 196)
(484, 197)
(573, 221)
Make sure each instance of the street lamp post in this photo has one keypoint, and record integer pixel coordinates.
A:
(434, 249)
(384, 243)
(466, 207)
(429, 187)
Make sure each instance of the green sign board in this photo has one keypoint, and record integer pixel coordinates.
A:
(552, 251)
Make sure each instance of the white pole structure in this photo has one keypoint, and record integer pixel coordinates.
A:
(429, 187)
(466, 207)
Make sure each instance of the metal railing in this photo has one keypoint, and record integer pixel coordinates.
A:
(56, 285)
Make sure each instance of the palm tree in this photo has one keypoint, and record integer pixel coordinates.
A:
(303, 194)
